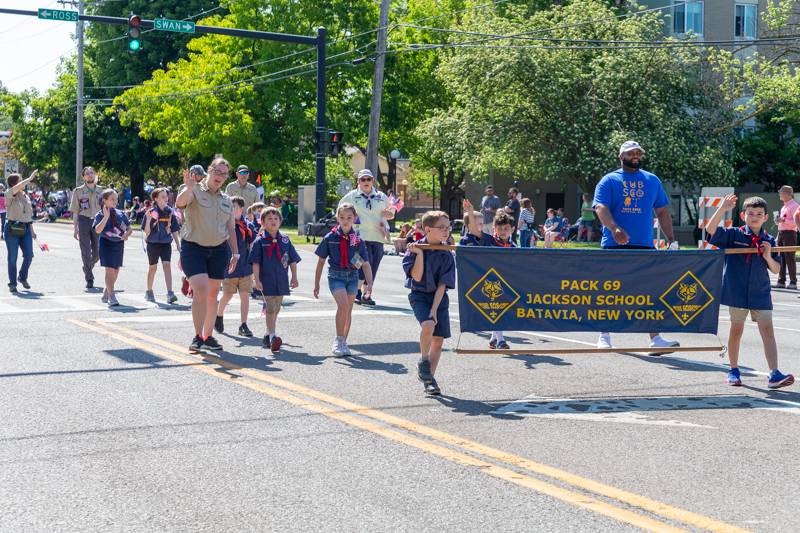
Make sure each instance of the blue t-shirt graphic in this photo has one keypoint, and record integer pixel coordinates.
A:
(631, 198)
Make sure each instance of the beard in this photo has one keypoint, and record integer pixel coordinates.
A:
(630, 163)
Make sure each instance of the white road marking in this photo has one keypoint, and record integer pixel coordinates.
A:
(284, 315)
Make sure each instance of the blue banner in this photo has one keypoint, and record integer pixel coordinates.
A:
(625, 291)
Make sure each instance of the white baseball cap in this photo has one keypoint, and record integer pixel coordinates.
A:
(627, 146)
(365, 172)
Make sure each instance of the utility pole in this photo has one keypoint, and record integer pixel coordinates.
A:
(79, 132)
(377, 91)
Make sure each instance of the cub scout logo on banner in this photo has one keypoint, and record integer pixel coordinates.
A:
(492, 296)
(686, 298)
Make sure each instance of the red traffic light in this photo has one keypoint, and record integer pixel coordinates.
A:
(135, 21)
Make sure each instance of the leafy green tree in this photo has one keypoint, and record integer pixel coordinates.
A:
(770, 155)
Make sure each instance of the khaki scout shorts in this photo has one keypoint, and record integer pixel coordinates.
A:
(273, 304)
(739, 314)
(234, 285)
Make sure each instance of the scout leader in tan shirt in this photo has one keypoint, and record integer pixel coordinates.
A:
(205, 254)
(242, 188)
(20, 217)
(84, 206)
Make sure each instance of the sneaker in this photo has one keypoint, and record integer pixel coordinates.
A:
(432, 388)
(196, 345)
(358, 298)
(12, 289)
(792, 286)
(424, 371)
(266, 342)
(171, 298)
(219, 326)
(503, 345)
(345, 349)
(244, 331)
(368, 301)
(604, 341)
(90, 284)
(493, 344)
(660, 342)
(149, 296)
(211, 343)
(275, 344)
(779, 285)
(734, 378)
(112, 300)
(336, 348)
(778, 380)
(24, 283)
(104, 297)
(185, 287)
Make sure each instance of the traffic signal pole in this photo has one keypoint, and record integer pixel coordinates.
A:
(79, 99)
(318, 41)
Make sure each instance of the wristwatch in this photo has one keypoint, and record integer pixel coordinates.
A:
(237, 256)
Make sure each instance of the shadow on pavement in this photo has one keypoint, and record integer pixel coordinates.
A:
(361, 363)
(475, 407)
(532, 360)
(387, 348)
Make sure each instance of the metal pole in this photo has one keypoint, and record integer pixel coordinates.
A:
(377, 92)
(322, 131)
(79, 103)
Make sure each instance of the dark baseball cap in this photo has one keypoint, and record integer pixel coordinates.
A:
(198, 169)
(241, 168)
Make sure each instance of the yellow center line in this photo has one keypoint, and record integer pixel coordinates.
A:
(644, 503)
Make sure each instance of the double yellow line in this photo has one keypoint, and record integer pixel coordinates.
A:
(444, 445)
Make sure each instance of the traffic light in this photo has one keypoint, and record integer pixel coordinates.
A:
(334, 143)
(134, 33)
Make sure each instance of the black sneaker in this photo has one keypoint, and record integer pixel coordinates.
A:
(358, 298)
(244, 331)
(12, 289)
(424, 371)
(219, 327)
(24, 283)
(368, 301)
(493, 344)
(196, 345)
(90, 284)
(503, 345)
(211, 343)
(432, 388)
(266, 343)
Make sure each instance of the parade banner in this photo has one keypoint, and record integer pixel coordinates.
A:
(624, 291)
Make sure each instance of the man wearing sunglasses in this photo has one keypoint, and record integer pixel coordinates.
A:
(242, 188)
(372, 210)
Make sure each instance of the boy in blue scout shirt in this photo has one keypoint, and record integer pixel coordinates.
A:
(469, 238)
(746, 284)
(346, 252)
(272, 256)
(503, 231)
(161, 228)
(241, 278)
(429, 273)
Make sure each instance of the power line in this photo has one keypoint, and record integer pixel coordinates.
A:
(192, 17)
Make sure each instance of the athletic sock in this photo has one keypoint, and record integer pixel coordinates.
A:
(499, 336)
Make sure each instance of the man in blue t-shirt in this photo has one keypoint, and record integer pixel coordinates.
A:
(624, 201)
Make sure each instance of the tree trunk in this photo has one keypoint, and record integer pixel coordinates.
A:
(137, 184)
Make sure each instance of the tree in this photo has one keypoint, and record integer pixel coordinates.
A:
(770, 155)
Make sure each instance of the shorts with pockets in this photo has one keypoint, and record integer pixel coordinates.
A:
(159, 250)
(343, 279)
(273, 304)
(421, 303)
(210, 260)
(739, 314)
(235, 285)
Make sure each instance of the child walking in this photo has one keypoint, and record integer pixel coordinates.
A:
(745, 283)
(272, 256)
(239, 280)
(503, 230)
(161, 229)
(346, 252)
(113, 227)
(429, 273)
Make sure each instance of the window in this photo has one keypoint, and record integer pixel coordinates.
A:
(687, 17)
(746, 21)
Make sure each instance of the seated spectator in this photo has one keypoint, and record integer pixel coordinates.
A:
(415, 234)
(400, 244)
(552, 228)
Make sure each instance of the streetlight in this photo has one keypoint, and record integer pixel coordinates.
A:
(433, 190)
(394, 155)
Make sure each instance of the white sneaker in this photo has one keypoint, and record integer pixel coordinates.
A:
(345, 349)
(336, 347)
(660, 342)
(604, 341)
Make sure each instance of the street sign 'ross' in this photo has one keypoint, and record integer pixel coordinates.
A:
(58, 14)
(180, 26)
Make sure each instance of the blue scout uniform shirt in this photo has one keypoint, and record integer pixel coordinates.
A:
(161, 233)
(439, 266)
(274, 257)
(489, 240)
(631, 198)
(243, 267)
(116, 226)
(469, 240)
(331, 247)
(745, 280)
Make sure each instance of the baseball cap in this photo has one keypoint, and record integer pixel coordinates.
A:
(365, 172)
(627, 146)
(242, 168)
(197, 169)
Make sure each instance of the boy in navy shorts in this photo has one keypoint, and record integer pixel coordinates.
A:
(429, 273)
(746, 284)
(240, 279)
(272, 256)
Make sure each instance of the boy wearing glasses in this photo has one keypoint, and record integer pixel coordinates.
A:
(242, 188)
(429, 273)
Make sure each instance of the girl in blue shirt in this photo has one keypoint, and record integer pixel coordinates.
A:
(113, 227)
(161, 227)
(346, 252)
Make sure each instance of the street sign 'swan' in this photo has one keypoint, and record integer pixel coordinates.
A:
(180, 26)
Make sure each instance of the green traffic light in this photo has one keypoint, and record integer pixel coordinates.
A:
(134, 45)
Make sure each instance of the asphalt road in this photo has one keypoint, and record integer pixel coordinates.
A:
(110, 425)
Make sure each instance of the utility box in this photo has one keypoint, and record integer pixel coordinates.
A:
(306, 205)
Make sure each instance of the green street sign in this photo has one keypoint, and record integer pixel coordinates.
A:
(58, 14)
(180, 26)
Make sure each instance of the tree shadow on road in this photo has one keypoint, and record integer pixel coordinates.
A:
(784, 394)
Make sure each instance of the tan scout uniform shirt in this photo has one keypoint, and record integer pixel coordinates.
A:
(86, 202)
(19, 207)
(206, 217)
(248, 192)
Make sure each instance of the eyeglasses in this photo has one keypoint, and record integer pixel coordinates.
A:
(218, 172)
(244, 172)
(365, 179)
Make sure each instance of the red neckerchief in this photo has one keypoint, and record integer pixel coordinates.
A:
(755, 242)
(345, 241)
(244, 231)
(498, 242)
(273, 244)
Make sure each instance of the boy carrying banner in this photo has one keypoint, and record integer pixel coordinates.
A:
(746, 285)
